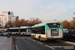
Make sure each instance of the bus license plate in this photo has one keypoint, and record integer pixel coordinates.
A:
(55, 32)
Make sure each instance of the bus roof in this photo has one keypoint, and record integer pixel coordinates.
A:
(25, 27)
(38, 25)
(14, 28)
(42, 24)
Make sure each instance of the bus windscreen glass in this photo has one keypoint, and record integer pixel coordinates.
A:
(53, 25)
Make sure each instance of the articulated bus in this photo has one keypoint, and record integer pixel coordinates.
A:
(47, 31)
(23, 30)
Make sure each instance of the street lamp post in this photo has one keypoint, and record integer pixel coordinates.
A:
(54, 19)
(31, 19)
(8, 22)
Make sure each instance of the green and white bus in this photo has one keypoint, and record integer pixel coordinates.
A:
(13, 30)
(23, 30)
(47, 31)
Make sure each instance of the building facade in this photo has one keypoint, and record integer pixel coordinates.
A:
(5, 18)
(14, 18)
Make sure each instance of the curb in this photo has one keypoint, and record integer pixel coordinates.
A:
(13, 46)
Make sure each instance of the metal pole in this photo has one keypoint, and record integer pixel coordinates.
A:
(54, 19)
(8, 22)
(19, 31)
(8, 28)
(31, 19)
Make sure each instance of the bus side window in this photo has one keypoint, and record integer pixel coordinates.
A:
(25, 30)
(33, 30)
(43, 30)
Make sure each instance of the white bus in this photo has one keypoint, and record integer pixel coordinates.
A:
(25, 30)
(14, 30)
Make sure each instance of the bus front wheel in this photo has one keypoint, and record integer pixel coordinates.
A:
(40, 38)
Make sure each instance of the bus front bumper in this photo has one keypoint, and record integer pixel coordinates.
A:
(55, 38)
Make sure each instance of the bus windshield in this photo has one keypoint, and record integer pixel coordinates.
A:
(53, 25)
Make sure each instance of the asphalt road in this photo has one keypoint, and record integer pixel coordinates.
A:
(58, 44)
(27, 43)
(23, 43)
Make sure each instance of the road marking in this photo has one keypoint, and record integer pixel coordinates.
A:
(41, 43)
(16, 47)
(50, 47)
(72, 43)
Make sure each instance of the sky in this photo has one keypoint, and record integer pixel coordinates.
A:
(45, 10)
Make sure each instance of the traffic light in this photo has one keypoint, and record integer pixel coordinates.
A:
(9, 13)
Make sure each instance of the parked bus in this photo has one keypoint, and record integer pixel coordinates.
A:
(47, 31)
(14, 30)
(25, 30)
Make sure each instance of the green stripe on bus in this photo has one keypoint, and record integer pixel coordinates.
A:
(38, 25)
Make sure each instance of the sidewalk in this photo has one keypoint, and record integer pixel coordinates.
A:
(5, 43)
